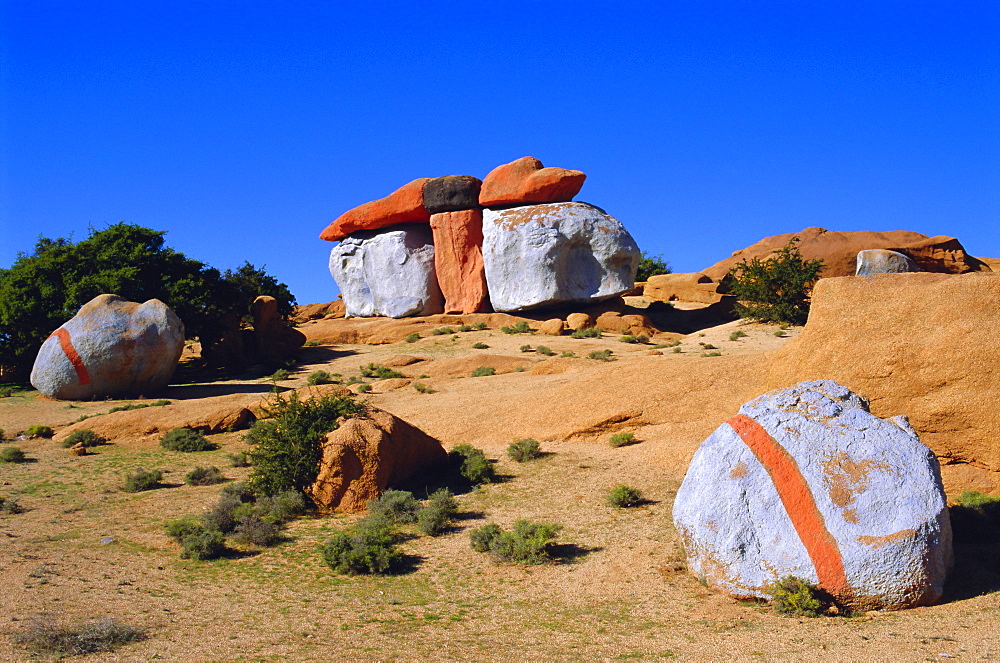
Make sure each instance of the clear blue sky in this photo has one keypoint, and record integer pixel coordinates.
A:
(243, 128)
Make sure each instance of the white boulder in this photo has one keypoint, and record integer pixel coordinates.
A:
(883, 261)
(806, 482)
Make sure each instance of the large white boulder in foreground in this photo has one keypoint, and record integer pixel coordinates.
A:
(110, 347)
(806, 482)
(388, 272)
(555, 253)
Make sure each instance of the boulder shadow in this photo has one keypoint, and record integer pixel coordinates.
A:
(569, 553)
(406, 565)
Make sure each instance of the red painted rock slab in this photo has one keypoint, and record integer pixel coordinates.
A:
(526, 182)
(458, 260)
(404, 205)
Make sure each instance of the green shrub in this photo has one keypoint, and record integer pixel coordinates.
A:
(650, 265)
(627, 338)
(484, 371)
(528, 543)
(280, 374)
(46, 637)
(12, 455)
(203, 545)
(479, 346)
(779, 334)
(253, 531)
(587, 332)
(364, 388)
(601, 355)
(677, 351)
(286, 446)
(642, 339)
(568, 354)
(142, 479)
(624, 496)
(204, 476)
(423, 388)
(6, 392)
(443, 331)
(182, 527)
(185, 440)
(481, 539)
(238, 459)
(435, 518)
(524, 450)
(1, 435)
(472, 464)
(544, 350)
(398, 506)
(795, 596)
(367, 547)
(412, 338)
(138, 406)
(222, 516)
(521, 327)
(711, 353)
(85, 436)
(380, 372)
(279, 508)
(976, 518)
(526, 348)
(319, 377)
(776, 289)
(621, 439)
(35, 432)
(737, 335)
(465, 328)
(479, 326)
(10, 505)
(707, 346)
(311, 344)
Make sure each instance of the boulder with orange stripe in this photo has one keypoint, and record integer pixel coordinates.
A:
(805, 481)
(110, 347)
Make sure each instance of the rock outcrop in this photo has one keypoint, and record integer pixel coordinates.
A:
(556, 253)
(404, 205)
(110, 347)
(686, 287)
(276, 340)
(806, 482)
(883, 261)
(526, 182)
(366, 455)
(388, 272)
(458, 260)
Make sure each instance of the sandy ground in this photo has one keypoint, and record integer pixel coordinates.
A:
(620, 592)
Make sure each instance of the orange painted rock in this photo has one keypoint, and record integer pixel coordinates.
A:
(526, 182)
(404, 205)
(458, 260)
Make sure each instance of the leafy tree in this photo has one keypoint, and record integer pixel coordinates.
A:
(41, 291)
(776, 289)
(651, 266)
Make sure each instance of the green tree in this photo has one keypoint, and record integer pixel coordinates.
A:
(776, 289)
(651, 266)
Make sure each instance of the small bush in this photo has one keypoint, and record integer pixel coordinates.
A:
(484, 371)
(544, 350)
(380, 372)
(364, 388)
(35, 432)
(677, 351)
(238, 459)
(398, 506)
(46, 637)
(737, 335)
(138, 406)
(481, 539)
(528, 543)
(624, 496)
(204, 476)
(472, 464)
(479, 346)
(526, 348)
(524, 450)
(221, 516)
(479, 326)
(976, 518)
(465, 328)
(367, 547)
(435, 518)
(10, 505)
(601, 355)
(142, 479)
(203, 545)
(795, 596)
(587, 332)
(568, 354)
(443, 331)
(319, 377)
(12, 455)
(412, 338)
(279, 508)
(86, 437)
(520, 328)
(311, 344)
(178, 529)
(642, 339)
(779, 334)
(711, 353)
(627, 338)
(251, 530)
(185, 440)
(6, 392)
(423, 388)
(777, 289)
(621, 439)
(1, 434)
(280, 374)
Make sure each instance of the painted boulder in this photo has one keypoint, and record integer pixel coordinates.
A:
(883, 261)
(111, 347)
(806, 482)
(388, 272)
(556, 253)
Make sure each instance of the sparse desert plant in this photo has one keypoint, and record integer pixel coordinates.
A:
(1, 435)
(280, 374)
(484, 371)
(364, 388)
(479, 346)
(6, 392)
(45, 636)
(319, 377)
(975, 518)
(587, 332)
(650, 265)
(204, 476)
(367, 547)
(627, 338)
(795, 596)
(568, 354)
(706, 346)
(423, 388)
(601, 355)
(142, 479)
(311, 344)
(544, 350)
(35, 432)
(521, 327)
(443, 331)
(238, 459)
(278, 508)
(434, 518)
(622, 439)
(677, 351)
(185, 440)
(524, 450)
(84, 436)
(623, 496)
(711, 353)
(776, 289)
(203, 545)
(10, 505)
(526, 348)
(642, 339)
(779, 334)
(12, 455)
(379, 371)
(465, 328)
(412, 338)
(399, 506)
(138, 406)
(481, 539)
(253, 531)
(737, 335)
(479, 326)
(528, 543)
(472, 464)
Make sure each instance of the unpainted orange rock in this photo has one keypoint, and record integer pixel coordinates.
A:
(404, 205)
(576, 321)
(276, 339)
(78, 449)
(626, 324)
(685, 287)
(366, 455)
(942, 254)
(553, 327)
(458, 260)
(526, 182)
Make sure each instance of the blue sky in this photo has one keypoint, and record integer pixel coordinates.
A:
(243, 128)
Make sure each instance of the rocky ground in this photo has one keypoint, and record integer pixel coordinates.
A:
(620, 591)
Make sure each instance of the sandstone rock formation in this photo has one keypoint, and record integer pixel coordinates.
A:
(943, 254)
(921, 344)
(806, 482)
(404, 205)
(526, 182)
(576, 321)
(883, 261)
(388, 272)
(111, 346)
(690, 287)
(366, 455)
(552, 327)
(458, 260)
(556, 253)
(276, 340)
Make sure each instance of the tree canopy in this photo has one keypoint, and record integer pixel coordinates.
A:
(650, 265)
(776, 289)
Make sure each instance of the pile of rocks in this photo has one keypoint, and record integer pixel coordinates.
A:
(455, 244)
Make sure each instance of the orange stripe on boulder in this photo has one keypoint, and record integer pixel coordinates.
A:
(74, 358)
(404, 205)
(798, 501)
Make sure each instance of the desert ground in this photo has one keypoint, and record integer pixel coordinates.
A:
(618, 592)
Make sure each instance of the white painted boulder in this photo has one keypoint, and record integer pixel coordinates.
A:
(556, 253)
(111, 347)
(806, 482)
(883, 261)
(388, 272)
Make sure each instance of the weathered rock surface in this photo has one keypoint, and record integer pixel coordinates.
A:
(576, 321)
(806, 482)
(404, 205)
(366, 455)
(552, 327)
(111, 346)
(689, 287)
(557, 253)
(943, 254)
(458, 260)
(884, 261)
(525, 181)
(637, 325)
(941, 371)
(452, 193)
(305, 312)
(388, 272)
(276, 340)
